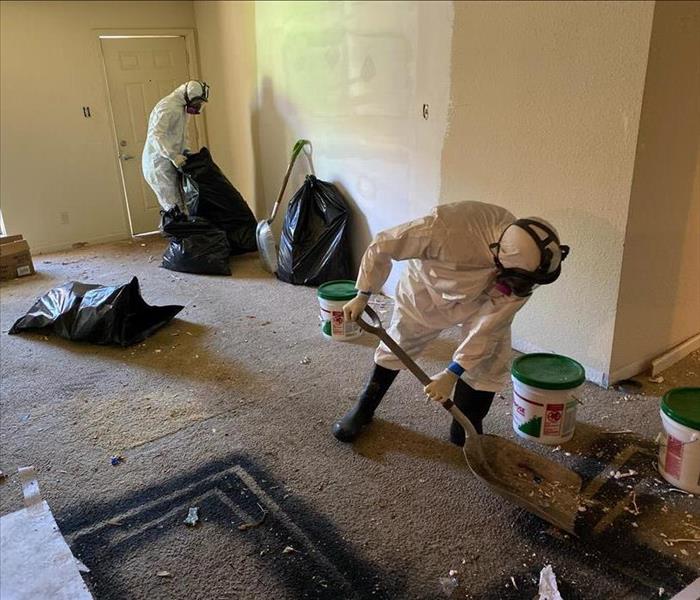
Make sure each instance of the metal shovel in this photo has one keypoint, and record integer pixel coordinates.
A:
(539, 485)
(263, 233)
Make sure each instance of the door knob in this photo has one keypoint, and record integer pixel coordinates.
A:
(125, 156)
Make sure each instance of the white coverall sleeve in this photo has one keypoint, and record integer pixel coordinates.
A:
(162, 138)
(485, 352)
(417, 239)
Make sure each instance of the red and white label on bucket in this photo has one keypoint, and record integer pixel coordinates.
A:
(559, 419)
(337, 323)
(553, 419)
(674, 457)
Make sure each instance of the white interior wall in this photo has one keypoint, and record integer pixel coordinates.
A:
(352, 77)
(226, 35)
(659, 302)
(53, 159)
(546, 99)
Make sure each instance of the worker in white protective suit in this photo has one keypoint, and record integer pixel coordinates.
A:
(165, 150)
(469, 264)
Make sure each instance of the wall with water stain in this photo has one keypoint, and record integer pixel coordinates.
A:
(353, 77)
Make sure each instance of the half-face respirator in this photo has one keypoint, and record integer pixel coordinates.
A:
(522, 282)
(193, 105)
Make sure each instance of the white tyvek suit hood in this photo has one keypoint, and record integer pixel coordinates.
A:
(448, 282)
(519, 251)
(165, 140)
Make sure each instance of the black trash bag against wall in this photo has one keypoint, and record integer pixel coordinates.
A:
(314, 247)
(196, 246)
(99, 314)
(210, 195)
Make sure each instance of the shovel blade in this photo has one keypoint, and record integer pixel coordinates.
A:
(537, 484)
(266, 246)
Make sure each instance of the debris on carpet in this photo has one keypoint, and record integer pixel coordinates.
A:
(192, 517)
(117, 459)
(548, 589)
(450, 583)
(253, 524)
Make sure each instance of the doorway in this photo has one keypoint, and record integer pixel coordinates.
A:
(141, 70)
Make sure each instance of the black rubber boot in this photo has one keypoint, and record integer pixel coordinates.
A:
(349, 427)
(474, 404)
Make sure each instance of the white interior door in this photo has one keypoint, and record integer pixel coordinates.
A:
(140, 71)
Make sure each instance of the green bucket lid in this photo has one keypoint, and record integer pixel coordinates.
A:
(342, 289)
(548, 371)
(683, 406)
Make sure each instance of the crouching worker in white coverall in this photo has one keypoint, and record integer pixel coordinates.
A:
(165, 149)
(469, 263)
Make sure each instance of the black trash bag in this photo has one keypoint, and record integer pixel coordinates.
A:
(210, 195)
(100, 314)
(314, 247)
(196, 246)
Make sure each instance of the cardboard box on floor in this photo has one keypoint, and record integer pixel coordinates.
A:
(15, 257)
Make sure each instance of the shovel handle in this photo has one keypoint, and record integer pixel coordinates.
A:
(296, 150)
(377, 329)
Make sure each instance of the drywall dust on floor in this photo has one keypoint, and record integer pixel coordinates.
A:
(229, 409)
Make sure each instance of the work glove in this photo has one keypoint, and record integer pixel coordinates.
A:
(353, 310)
(441, 386)
(179, 160)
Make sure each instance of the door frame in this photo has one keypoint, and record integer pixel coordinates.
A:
(192, 68)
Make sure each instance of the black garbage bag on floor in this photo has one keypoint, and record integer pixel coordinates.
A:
(314, 247)
(196, 246)
(100, 314)
(210, 195)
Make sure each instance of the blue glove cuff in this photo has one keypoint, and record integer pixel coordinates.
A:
(455, 368)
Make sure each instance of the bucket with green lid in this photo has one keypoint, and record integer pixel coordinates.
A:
(679, 451)
(332, 296)
(545, 389)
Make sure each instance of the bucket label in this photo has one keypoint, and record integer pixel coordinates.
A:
(337, 323)
(525, 421)
(533, 427)
(553, 419)
(674, 457)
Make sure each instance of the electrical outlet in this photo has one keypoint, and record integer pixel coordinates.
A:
(64, 218)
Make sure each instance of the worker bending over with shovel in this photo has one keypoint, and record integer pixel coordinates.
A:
(469, 263)
(165, 150)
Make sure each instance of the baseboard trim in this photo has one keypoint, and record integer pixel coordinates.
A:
(657, 363)
(105, 239)
(630, 370)
(675, 354)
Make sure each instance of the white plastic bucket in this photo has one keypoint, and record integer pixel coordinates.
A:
(545, 416)
(679, 451)
(332, 296)
(545, 389)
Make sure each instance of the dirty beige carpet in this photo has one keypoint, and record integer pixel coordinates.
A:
(229, 409)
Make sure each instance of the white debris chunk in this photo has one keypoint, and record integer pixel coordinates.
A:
(548, 589)
(619, 475)
(449, 584)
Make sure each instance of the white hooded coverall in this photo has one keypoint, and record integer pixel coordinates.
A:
(448, 281)
(165, 140)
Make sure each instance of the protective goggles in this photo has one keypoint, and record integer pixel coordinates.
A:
(552, 254)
